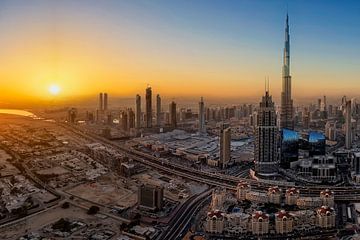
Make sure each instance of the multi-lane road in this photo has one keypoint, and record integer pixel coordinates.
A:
(214, 179)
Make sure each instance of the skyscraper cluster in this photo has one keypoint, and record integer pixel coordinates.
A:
(148, 116)
(103, 101)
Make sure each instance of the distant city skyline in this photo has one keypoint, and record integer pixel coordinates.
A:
(182, 49)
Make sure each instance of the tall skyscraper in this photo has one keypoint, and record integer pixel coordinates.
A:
(266, 137)
(124, 121)
(148, 99)
(202, 129)
(348, 137)
(286, 115)
(225, 148)
(101, 103)
(172, 111)
(158, 110)
(324, 105)
(138, 111)
(105, 102)
(131, 118)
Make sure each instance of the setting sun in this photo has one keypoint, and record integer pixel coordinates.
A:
(54, 89)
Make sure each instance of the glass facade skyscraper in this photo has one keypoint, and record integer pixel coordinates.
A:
(289, 147)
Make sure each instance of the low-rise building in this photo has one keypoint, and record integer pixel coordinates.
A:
(291, 196)
(274, 195)
(215, 222)
(325, 217)
(218, 199)
(257, 197)
(308, 202)
(242, 188)
(327, 197)
(284, 222)
(259, 223)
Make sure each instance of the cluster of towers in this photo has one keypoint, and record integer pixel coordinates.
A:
(148, 116)
(266, 132)
(146, 120)
(103, 101)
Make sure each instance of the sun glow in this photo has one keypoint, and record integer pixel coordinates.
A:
(54, 89)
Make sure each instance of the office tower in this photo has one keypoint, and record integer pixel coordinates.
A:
(207, 114)
(343, 100)
(356, 162)
(131, 118)
(324, 106)
(90, 116)
(124, 121)
(72, 112)
(172, 112)
(319, 104)
(138, 111)
(348, 137)
(330, 130)
(317, 143)
(289, 147)
(148, 99)
(286, 115)
(105, 102)
(266, 137)
(101, 103)
(158, 110)
(150, 197)
(202, 116)
(109, 119)
(330, 111)
(225, 148)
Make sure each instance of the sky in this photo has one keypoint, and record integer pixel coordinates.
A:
(222, 50)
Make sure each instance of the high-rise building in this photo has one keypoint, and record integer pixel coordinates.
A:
(172, 112)
(158, 110)
(72, 112)
(202, 117)
(150, 197)
(101, 103)
(289, 147)
(105, 108)
(148, 99)
(131, 118)
(266, 137)
(348, 137)
(138, 111)
(124, 121)
(225, 145)
(286, 115)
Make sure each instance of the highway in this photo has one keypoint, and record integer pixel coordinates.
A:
(213, 179)
(184, 215)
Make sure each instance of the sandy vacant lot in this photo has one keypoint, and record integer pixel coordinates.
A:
(106, 193)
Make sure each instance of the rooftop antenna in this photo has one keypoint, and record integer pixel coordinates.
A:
(267, 83)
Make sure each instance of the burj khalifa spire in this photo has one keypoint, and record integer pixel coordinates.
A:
(286, 114)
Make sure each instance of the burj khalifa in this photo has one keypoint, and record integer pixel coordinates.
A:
(286, 114)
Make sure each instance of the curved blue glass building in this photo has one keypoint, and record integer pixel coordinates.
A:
(289, 147)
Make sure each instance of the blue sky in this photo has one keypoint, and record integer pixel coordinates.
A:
(236, 43)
